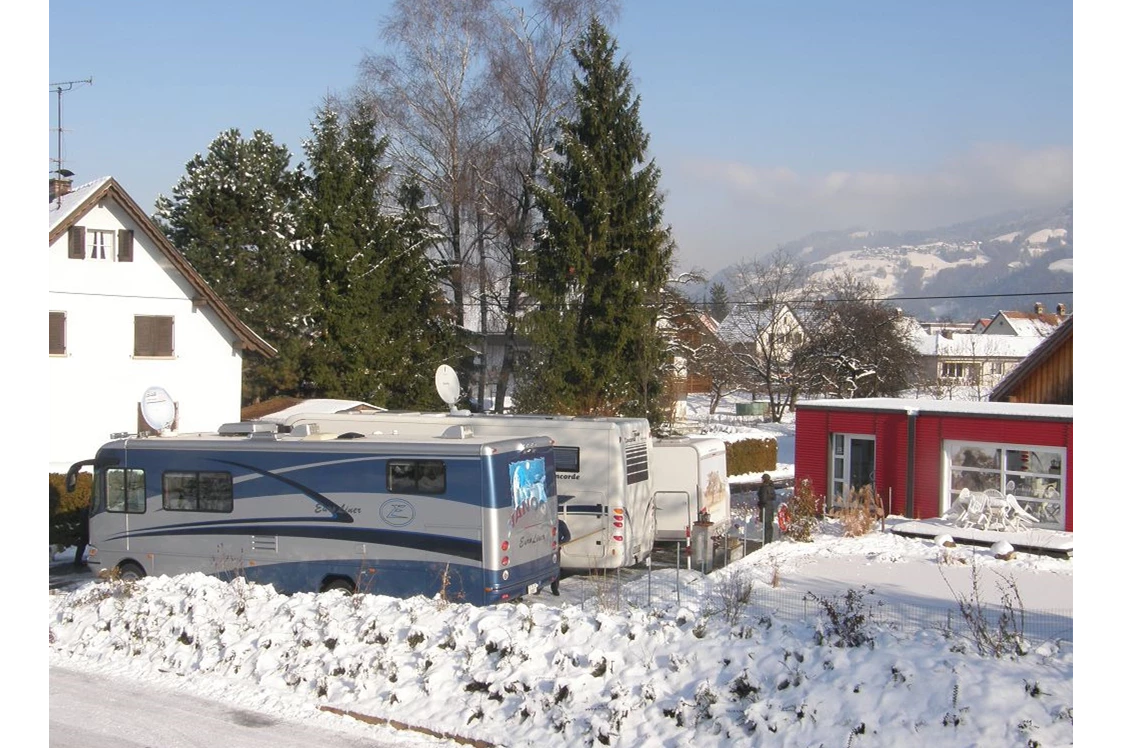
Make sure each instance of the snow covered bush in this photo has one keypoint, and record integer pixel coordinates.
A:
(804, 511)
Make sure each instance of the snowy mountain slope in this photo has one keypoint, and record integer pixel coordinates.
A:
(964, 271)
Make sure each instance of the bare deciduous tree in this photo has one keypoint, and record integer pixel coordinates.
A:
(471, 91)
(530, 68)
(430, 93)
(763, 328)
(856, 346)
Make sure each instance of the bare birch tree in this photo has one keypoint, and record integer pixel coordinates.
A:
(430, 93)
(472, 91)
(531, 69)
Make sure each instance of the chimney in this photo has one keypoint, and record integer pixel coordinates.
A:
(1061, 311)
(1038, 307)
(59, 187)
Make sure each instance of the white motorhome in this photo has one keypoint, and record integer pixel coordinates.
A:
(471, 519)
(690, 480)
(605, 492)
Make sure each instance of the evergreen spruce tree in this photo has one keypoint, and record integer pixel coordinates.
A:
(602, 257)
(379, 333)
(719, 302)
(233, 216)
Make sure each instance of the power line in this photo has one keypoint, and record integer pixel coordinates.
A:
(901, 298)
(886, 298)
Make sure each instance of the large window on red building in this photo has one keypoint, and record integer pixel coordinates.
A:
(1033, 474)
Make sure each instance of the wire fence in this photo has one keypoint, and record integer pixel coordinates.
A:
(740, 599)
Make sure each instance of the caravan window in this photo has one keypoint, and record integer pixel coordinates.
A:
(198, 492)
(567, 459)
(415, 476)
(124, 490)
(635, 462)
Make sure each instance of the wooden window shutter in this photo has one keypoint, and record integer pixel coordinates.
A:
(125, 245)
(77, 236)
(58, 333)
(152, 336)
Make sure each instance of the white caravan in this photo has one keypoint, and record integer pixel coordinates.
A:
(605, 493)
(690, 479)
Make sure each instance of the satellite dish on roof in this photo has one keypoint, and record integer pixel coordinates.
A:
(448, 385)
(158, 409)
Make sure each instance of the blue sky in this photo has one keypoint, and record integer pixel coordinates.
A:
(769, 120)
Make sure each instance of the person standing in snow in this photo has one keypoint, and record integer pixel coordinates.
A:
(766, 501)
(563, 538)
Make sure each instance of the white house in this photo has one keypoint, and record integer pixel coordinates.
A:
(751, 328)
(127, 312)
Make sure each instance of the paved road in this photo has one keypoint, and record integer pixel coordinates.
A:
(99, 711)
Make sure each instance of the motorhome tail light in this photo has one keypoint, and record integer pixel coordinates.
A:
(619, 538)
(618, 517)
(504, 546)
(505, 560)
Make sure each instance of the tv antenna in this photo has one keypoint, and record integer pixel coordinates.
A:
(60, 89)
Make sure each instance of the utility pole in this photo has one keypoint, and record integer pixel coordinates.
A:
(60, 89)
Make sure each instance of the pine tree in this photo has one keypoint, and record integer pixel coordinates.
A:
(603, 256)
(233, 216)
(379, 332)
(719, 302)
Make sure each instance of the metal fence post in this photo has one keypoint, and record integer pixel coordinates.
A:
(678, 563)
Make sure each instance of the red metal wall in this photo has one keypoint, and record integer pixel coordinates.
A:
(890, 431)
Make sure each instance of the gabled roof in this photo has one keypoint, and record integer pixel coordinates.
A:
(746, 321)
(973, 345)
(72, 207)
(1031, 323)
(1029, 364)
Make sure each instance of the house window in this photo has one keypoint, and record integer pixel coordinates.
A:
(996, 367)
(955, 370)
(1034, 475)
(100, 244)
(58, 333)
(152, 337)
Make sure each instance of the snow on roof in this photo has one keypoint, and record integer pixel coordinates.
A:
(973, 345)
(320, 405)
(1029, 324)
(62, 207)
(950, 407)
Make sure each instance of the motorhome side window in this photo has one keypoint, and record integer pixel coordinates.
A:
(567, 459)
(198, 492)
(124, 490)
(415, 476)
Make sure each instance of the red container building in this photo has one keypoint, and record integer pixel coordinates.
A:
(919, 454)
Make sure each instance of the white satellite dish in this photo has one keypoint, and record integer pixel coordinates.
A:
(158, 409)
(448, 385)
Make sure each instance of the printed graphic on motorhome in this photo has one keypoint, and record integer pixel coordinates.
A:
(528, 487)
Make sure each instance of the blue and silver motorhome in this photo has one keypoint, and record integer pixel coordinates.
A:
(606, 496)
(470, 519)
